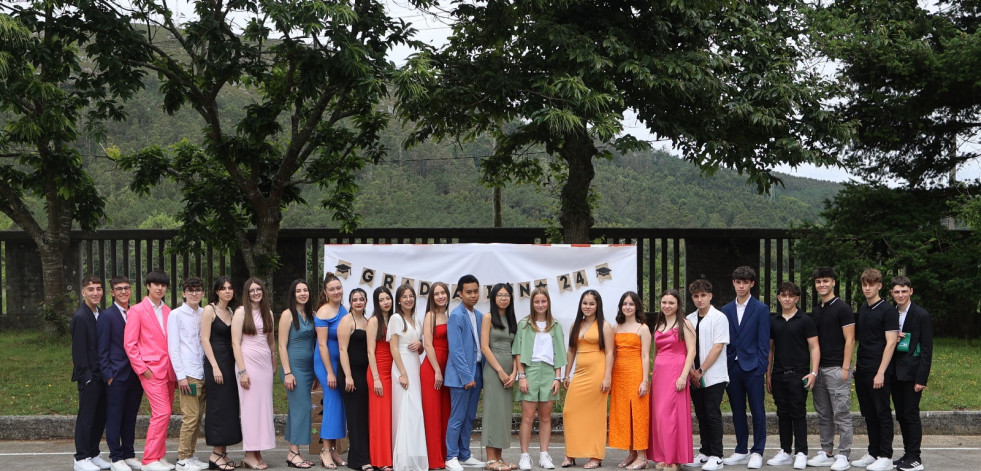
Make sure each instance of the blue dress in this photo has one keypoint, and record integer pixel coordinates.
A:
(334, 423)
(300, 348)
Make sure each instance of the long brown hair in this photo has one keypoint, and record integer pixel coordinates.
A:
(638, 312)
(679, 320)
(249, 327)
(377, 312)
(397, 304)
(322, 299)
(549, 320)
(431, 301)
(574, 331)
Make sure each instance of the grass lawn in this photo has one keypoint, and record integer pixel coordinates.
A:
(35, 378)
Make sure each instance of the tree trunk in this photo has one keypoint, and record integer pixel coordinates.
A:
(575, 213)
(56, 312)
(498, 203)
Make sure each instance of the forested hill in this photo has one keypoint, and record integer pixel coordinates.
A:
(438, 185)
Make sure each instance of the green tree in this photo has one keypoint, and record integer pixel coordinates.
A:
(911, 77)
(725, 81)
(49, 97)
(317, 70)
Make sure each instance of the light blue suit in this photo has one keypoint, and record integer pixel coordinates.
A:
(462, 367)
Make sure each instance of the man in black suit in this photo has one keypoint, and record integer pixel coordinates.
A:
(91, 419)
(913, 357)
(123, 389)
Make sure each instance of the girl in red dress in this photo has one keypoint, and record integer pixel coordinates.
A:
(436, 398)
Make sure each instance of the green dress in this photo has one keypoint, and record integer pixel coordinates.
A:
(498, 400)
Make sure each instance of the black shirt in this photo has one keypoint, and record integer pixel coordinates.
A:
(873, 323)
(790, 349)
(829, 318)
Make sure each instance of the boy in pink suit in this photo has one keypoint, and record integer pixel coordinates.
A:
(145, 341)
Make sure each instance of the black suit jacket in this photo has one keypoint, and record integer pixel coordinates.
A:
(910, 367)
(85, 354)
(112, 356)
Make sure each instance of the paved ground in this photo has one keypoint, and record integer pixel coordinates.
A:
(940, 452)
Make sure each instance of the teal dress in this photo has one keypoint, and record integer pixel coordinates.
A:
(300, 347)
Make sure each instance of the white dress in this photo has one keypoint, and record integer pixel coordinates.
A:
(408, 425)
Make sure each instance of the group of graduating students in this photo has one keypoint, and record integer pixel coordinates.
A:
(404, 388)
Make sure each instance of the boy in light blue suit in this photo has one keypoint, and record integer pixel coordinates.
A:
(748, 357)
(463, 375)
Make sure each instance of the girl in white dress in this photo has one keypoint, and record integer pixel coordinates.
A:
(408, 425)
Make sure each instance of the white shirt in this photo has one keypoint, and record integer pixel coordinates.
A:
(902, 316)
(122, 311)
(158, 310)
(543, 351)
(740, 310)
(184, 342)
(476, 337)
(714, 329)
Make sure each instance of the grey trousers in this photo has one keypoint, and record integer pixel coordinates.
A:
(832, 402)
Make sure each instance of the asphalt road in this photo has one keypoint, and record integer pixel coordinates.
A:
(940, 452)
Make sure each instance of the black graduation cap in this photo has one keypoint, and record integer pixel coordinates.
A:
(343, 267)
(541, 283)
(603, 271)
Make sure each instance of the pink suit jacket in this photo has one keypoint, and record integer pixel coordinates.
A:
(146, 343)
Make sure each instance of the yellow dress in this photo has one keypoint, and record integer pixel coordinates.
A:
(584, 413)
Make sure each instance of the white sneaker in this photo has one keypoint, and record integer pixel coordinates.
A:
(880, 464)
(159, 465)
(453, 464)
(544, 461)
(473, 463)
(101, 463)
(699, 460)
(755, 461)
(841, 463)
(714, 463)
(167, 463)
(736, 458)
(133, 464)
(800, 461)
(198, 463)
(85, 465)
(821, 459)
(864, 461)
(524, 462)
(187, 465)
(782, 459)
(120, 465)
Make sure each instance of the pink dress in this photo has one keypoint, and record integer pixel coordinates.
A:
(671, 439)
(256, 403)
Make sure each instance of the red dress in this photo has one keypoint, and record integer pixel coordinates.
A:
(436, 403)
(380, 408)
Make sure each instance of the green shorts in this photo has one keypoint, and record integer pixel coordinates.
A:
(540, 376)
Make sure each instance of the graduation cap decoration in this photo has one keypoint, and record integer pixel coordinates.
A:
(541, 283)
(604, 272)
(343, 269)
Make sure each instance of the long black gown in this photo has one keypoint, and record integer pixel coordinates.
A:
(222, 426)
(356, 402)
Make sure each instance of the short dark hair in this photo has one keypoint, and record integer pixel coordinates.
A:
(789, 287)
(192, 282)
(465, 279)
(700, 285)
(158, 276)
(91, 279)
(117, 280)
(824, 272)
(744, 273)
(902, 281)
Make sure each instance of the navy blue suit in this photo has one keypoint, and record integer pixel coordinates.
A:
(125, 393)
(462, 368)
(748, 354)
(91, 419)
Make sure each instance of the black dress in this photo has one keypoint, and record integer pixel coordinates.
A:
(356, 402)
(222, 426)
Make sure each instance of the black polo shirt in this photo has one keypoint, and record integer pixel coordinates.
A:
(790, 349)
(873, 323)
(829, 318)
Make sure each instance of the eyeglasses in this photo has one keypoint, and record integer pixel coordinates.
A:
(194, 291)
(503, 295)
(122, 288)
(255, 290)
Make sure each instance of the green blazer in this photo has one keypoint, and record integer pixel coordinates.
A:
(524, 342)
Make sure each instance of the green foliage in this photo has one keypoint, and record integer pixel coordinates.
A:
(910, 74)
(314, 70)
(903, 232)
(724, 81)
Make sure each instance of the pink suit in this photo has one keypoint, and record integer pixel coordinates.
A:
(145, 342)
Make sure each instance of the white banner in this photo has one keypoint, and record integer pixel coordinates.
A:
(567, 271)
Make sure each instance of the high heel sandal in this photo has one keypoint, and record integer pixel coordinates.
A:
(324, 463)
(258, 465)
(592, 464)
(332, 451)
(226, 465)
(292, 463)
(568, 462)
